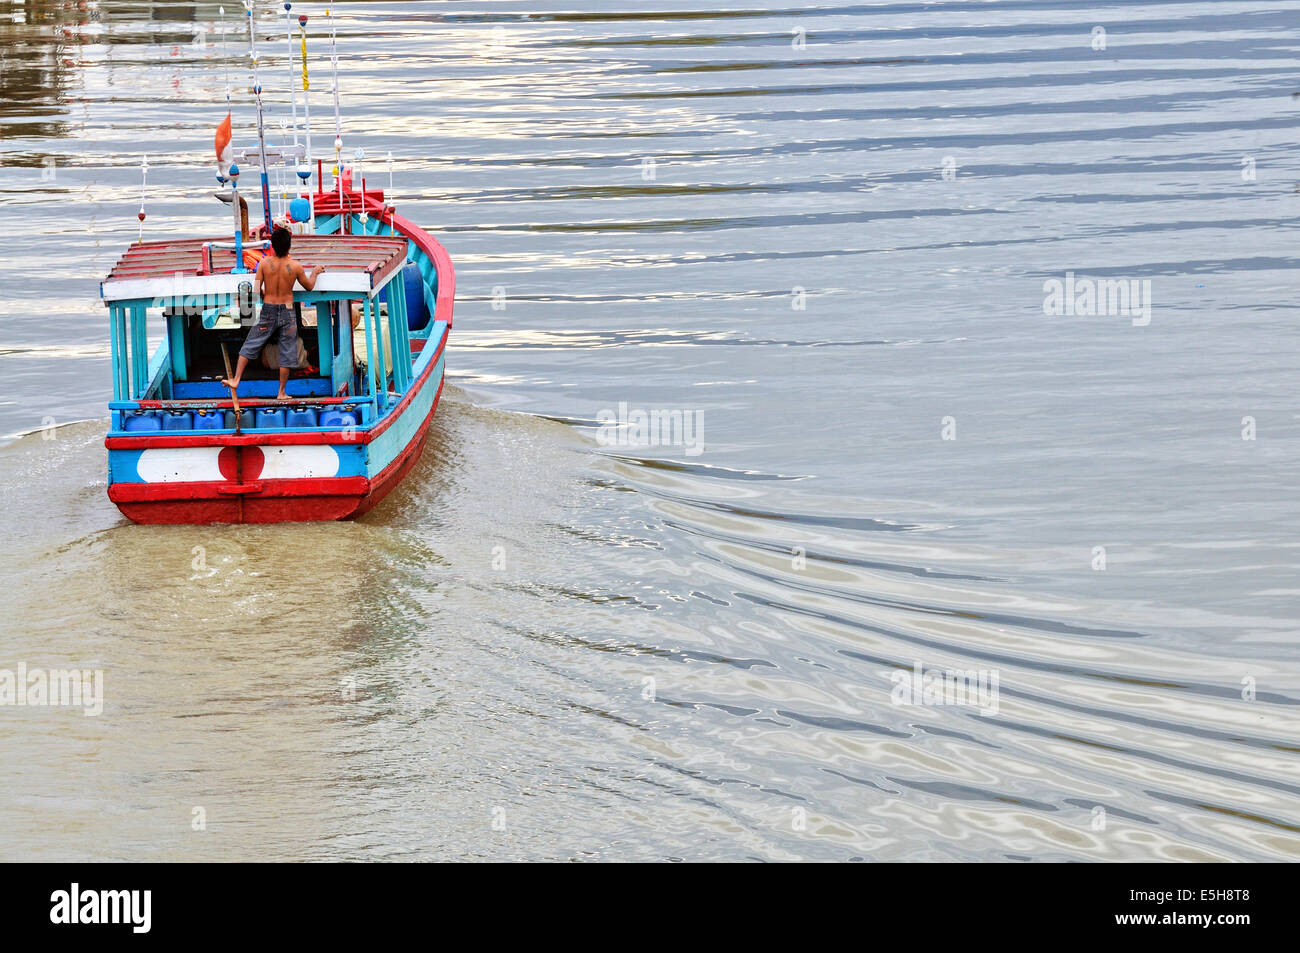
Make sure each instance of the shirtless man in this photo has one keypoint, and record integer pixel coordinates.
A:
(274, 285)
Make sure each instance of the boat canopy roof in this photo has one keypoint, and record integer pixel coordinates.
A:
(178, 268)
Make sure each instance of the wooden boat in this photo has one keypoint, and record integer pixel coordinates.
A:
(182, 448)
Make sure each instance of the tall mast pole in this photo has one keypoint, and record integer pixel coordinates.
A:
(225, 59)
(304, 170)
(261, 130)
(306, 110)
(293, 90)
(338, 119)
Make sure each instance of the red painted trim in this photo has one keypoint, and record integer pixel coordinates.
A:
(335, 438)
(241, 510)
(208, 403)
(239, 489)
(200, 490)
(379, 272)
(349, 200)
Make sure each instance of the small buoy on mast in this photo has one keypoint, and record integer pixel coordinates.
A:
(144, 178)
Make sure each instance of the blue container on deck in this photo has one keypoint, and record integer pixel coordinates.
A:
(417, 315)
(338, 418)
(229, 420)
(302, 417)
(141, 420)
(210, 420)
(270, 417)
(178, 420)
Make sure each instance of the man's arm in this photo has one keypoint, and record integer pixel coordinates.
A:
(309, 281)
(258, 279)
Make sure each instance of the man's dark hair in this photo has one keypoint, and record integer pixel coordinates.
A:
(280, 240)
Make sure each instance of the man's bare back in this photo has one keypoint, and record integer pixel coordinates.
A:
(276, 277)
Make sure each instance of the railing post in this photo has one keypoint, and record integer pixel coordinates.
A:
(139, 352)
(325, 337)
(392, 336)
(402, 335)
(125, 346)
(370, 348)
(345, 359)
(381, 365)
(176, 344)
(115, 349)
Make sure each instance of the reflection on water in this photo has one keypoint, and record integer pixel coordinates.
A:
(544, 646)
(39, 52)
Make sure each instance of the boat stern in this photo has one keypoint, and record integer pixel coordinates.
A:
(241, 479)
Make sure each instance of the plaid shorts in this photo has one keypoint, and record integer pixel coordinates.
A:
(277, 322)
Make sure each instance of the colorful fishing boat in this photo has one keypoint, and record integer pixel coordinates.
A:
(183, 447)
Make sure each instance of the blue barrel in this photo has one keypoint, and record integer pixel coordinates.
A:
(210, 420)
(338, 418)
(270, 417)
(142, 420)
(302, 417)
(417, 315)
(178, 420)
(229, 421)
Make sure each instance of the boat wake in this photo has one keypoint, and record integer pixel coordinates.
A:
(530, 622)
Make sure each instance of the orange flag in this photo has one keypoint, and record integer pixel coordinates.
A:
(222, 143)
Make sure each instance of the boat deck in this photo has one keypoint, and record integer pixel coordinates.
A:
(181, 266)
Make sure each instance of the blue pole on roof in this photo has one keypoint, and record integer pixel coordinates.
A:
(239, 268)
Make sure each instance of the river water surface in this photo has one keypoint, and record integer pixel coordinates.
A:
(823, 233)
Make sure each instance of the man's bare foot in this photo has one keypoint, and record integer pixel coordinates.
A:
(282, 396)
(226, 382)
